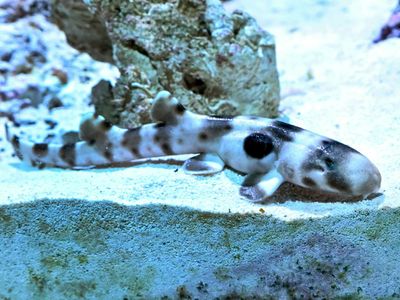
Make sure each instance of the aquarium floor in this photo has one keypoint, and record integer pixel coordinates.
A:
(149, 230)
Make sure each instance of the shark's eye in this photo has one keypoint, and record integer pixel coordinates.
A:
(330, 164)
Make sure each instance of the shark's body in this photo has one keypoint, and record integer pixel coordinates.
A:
(269, 151)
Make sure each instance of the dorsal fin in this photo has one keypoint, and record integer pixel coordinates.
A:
(166, 108)
(93, 129)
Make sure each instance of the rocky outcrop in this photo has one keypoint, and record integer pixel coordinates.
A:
(84, 31)
(215, 62)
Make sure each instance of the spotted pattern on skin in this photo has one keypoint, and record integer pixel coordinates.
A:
(68, 154)
(338, 182)
(16, 145)
(258, 145)
(312, 161)
(131, 140)
(272, 151)
(331, 146)
(283, 132)
(214, 128)
(307, 181)
(180, 109)
(163, 138)
(108, 152)
(105, 125)
(40, 149)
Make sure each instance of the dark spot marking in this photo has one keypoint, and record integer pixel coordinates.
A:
(105, 125)
(91, 142)
(157, 138)
(40, 149)
(203, 136)
(180, 109)
(41, 165)
(15, 142)
(108, 152)
(167, 149)
(159, 125)
(287, 127)
(180, 141)
(312, 160)
(283, 131)
(330, 163)
(70, 137)
(131, 140)
(338, 182)
(16, 145)
(135, 151)
(67, 153)
(309, 182)
(216, 127)
(258, 145)
(228, 127)
(279, 134)
(334, 146)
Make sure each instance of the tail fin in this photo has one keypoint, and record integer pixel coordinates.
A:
(166, 108)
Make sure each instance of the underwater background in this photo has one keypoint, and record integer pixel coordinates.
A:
(150, 231)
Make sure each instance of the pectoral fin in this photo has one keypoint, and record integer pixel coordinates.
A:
(203, 164)
(258, 187)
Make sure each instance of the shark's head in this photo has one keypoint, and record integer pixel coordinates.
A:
(313, 161)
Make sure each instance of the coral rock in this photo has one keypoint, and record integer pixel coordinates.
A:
(215, 63)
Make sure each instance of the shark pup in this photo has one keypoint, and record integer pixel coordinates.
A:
(270, 152)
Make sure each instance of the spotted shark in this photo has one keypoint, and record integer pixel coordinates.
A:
(269, 151)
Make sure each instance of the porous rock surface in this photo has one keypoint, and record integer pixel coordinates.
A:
(215, 62)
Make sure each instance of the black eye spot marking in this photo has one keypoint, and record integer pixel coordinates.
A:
(258, 145)
(309, 182)
(40, 149)
(338, 182)
(67, 153)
